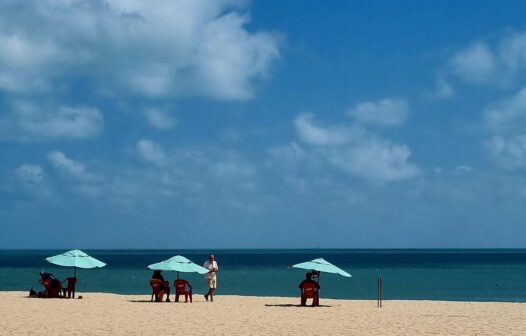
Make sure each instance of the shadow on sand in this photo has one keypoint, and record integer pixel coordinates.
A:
(148, 301)
(282, 305)
(286, 305)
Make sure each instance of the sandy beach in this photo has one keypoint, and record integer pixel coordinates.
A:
(110, 314)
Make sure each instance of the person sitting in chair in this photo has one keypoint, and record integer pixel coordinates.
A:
(310, 289)
(51, 284)
(165, 284)
(315, 275)
(45, 276)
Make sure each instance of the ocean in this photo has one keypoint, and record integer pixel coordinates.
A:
(458, 275)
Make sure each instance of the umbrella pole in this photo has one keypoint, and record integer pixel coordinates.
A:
(319, 274)
(75, 276)
(177, 275)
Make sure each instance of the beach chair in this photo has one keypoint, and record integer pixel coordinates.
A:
(157, 289)
(52, 287)
(183, 287)
(70, 287)
(309, 290)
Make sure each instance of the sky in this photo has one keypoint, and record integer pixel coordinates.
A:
(262, 124)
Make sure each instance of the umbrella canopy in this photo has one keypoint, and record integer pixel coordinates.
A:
(178, 263)
(322, 265)
(75, 258)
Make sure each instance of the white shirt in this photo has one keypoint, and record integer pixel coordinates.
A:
(210, 266)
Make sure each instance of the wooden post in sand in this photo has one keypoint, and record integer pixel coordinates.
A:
(379, 300)
(381, 291)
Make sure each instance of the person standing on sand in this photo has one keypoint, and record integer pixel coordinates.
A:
(210, 277)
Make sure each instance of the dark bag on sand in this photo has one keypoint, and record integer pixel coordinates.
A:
(32, 293)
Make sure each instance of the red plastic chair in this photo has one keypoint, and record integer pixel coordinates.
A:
(157, 289)
(52, 287)
(70, 288)
(310, 290)
(183, 287)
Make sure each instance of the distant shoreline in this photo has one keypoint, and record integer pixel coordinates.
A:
(145, 295)
(466, 275)
(207, 250)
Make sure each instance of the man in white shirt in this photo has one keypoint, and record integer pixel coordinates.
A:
(210, 277)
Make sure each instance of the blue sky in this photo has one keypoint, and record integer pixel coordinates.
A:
(238, 124)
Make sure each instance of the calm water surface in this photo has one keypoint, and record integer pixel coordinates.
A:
(481, 275)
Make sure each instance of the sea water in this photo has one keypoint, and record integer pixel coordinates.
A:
(467, 275)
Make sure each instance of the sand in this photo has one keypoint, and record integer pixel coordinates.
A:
(111, 314)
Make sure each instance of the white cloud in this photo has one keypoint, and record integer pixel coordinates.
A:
(70, 167)
(352, 150)
(193, 176)
(169, 48)
(313, 134)
(442, 90)
(463, 169)
(233, 168)
(498, 64)
(28, 121)
(151, 152)
(230, 57)
(160, 118)
(21, 58)
(509, 152)
(506, 124)
(30, 174)
(30, 181)
(376, 160)
(291, 152)
(385, 112)
(459, 170)
(19, 52)
(511, 52)
(509, 115)
(475, 64)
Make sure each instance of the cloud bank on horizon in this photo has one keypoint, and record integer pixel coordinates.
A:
(142, 117)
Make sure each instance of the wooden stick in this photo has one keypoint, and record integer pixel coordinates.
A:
(378, 293)
(381, 292)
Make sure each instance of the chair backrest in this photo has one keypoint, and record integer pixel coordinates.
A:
(156, 285)
(180, 286)
(47, 282)
(71, 282)
(309, 288)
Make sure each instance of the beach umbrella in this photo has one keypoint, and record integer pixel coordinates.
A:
(178, 264)
(322, 265)
(75, 258)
